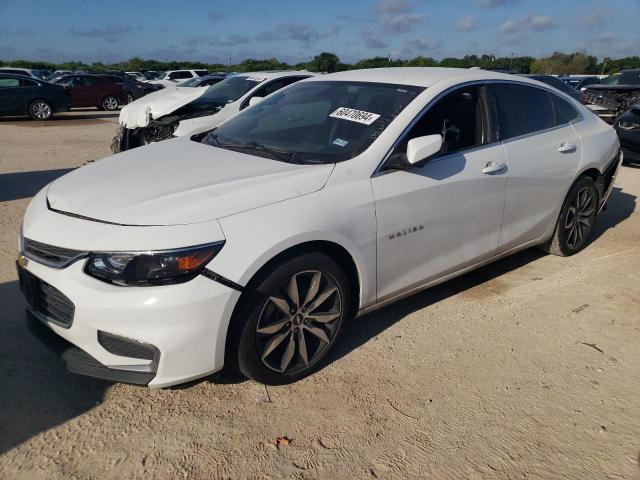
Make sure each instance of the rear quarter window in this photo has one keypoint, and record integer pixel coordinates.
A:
(565, 112)
(9, 82)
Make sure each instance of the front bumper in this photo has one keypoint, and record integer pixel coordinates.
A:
(78, 361)
(184, 324)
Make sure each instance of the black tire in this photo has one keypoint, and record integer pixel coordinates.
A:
(109, 103)
(575, 221)
(40, 110)
(301, 334)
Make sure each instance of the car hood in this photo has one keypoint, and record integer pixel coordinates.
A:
(157, 104)
(191, 126)
(180, 182)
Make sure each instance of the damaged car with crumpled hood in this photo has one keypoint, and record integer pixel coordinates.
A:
(614, 95)
(162, 114)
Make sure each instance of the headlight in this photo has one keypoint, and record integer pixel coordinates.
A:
(629, 125)
(151, 268)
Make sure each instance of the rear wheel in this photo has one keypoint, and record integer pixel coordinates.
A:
(288, 328)
(576, 219)
(40, 110)
(109, 103)
(130, 97)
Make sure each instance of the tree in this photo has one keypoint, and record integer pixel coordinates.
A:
(325, 62)
(421, 62)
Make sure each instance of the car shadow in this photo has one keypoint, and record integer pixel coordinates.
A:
(14, 186)
(619, 207)
(36, 391)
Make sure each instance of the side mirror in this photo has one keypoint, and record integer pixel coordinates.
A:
(421, 148)
(255, 100)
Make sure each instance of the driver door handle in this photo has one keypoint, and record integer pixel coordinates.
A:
(567, 148)
(494, 167)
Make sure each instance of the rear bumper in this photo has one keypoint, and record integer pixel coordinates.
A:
(80, 362)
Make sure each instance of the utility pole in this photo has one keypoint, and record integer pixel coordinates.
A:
(604, 65)
(511, 61)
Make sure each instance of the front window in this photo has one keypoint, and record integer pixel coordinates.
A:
(315, 122)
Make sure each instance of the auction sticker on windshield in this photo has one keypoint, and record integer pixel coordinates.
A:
(359, 116)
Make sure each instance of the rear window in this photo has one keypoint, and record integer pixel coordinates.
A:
(9, 82)
(520, 109)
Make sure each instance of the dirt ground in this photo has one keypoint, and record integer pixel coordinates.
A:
(528, 368)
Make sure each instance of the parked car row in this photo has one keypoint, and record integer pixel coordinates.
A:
(252, 243)
(25, 94)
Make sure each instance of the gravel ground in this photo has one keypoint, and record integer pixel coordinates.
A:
(527, 368)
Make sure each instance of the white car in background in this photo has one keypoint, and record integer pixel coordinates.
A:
(171, 77)
(256, 242)
(166, 113)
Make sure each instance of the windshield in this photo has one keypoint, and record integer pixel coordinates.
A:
(631, 77)
(315, 122)
(189, 83)
(230, 89)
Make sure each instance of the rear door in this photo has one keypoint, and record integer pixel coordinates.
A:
(543, 153)
(440, 217)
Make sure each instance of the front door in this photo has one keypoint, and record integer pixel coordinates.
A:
(440, 217)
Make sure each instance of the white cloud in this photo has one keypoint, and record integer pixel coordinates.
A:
(529, 22)
(466, 23)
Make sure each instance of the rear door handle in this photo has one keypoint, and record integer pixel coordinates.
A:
(567, 148)
(494, 167)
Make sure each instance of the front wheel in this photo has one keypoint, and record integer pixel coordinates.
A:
(292, 321)
(576, 219)
(109, 103)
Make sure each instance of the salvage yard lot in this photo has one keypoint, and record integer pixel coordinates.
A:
(527, 368)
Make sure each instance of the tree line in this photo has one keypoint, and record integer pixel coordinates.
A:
(558, 63)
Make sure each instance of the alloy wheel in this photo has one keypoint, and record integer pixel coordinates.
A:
(110, 103)
(579, 217)
(299, 322)
(41, 110)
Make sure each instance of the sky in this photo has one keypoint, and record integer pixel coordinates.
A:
(296, 30)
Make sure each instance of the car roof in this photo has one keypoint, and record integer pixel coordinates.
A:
(17, 75)
(270, 75)
(417, 76)
(17, 68)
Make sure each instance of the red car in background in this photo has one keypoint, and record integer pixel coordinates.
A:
(93, 91)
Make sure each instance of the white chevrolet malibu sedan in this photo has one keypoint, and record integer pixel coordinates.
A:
(253, 243)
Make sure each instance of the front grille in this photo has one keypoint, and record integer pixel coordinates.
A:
(125, 347)
(56, 257)
(616, 101)
(45, 300)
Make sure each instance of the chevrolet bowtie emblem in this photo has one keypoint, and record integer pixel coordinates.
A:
(23, 261)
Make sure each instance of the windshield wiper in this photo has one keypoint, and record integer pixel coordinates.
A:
(281, 155)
